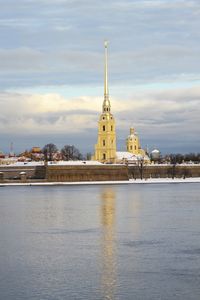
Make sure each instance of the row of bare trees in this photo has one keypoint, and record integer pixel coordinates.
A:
(178, 158)
(68, 152)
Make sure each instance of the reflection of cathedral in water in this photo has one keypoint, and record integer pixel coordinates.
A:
(108, 244)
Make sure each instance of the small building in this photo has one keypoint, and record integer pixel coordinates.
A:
(8, 160)
(36, 150)
(2, 155)
(131, 159)
(155, 155)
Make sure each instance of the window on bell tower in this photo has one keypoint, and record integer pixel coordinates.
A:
(104, 142)
(111, 128)
(104, 156)
(104, 128)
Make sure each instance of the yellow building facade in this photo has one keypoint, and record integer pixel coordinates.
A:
(133, 143)
(105, 149)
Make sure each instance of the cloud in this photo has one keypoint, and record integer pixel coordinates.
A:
(63, 41)
(25, 60)
(41, 114)
(158, 116)
(162, 4)
(25, 67)
(49, 43)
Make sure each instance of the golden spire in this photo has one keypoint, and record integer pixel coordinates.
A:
(106, 103)
(106, 71)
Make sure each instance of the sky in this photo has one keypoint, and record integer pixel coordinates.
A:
(51, 72)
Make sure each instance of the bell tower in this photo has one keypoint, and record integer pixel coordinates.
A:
(105, 149)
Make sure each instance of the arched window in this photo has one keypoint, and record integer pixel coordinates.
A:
(104, 142)
(104, 128)
(104, 156)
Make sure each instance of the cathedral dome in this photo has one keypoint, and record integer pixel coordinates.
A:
(155, 154)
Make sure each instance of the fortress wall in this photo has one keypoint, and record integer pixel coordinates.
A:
(87, 173)
(67, 173)
(58, 173)
(164, 171)
(12, 172)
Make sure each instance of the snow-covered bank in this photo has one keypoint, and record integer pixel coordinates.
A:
(14, 163)
(53, 163)
(166, 180)
(131, 181)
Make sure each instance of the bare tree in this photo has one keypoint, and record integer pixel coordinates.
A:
(173, 160)
(180, 158)
(88, 156)
(48, 151)
(70, 152)
(140, 164)
(192, 157)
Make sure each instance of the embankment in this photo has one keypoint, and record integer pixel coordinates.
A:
(85, 172)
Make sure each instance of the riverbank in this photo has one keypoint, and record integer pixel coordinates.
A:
(131, 181)
(94, 172)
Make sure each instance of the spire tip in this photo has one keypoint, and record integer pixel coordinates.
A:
(106, 43)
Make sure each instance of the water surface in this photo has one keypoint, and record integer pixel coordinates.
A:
(100, 242)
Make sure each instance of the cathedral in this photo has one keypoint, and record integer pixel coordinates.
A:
(105, 149)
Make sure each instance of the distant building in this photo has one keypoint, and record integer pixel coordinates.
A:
(36, 150)
(130, 158)
(34, 154)
(155, 155)
(8, 160)
(2, 155)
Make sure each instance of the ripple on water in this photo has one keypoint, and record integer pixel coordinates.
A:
(140, 243)
(64, 231)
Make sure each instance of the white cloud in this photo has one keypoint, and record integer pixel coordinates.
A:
(62, 44)
(40, 114)
(150, 40)
(154, 114)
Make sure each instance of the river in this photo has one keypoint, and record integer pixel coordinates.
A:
(100, 242)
